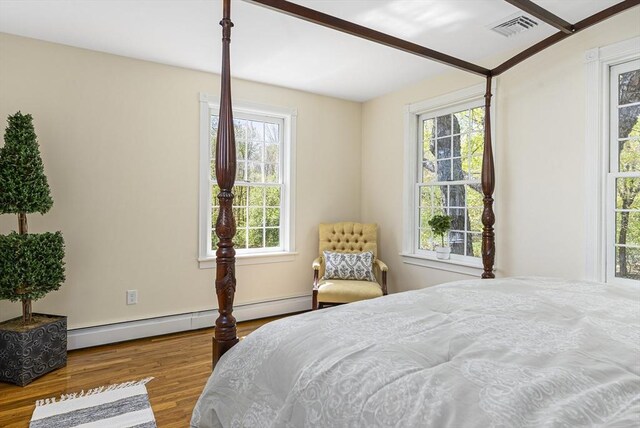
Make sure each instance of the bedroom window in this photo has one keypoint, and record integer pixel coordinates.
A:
(444, 141)
(262, 203)
(613, 163)
(623, 176)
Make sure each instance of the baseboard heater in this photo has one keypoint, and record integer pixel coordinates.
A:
(129, 330)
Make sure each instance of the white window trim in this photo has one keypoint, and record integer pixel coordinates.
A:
(598, 62)
(412, 113)
(206, 259)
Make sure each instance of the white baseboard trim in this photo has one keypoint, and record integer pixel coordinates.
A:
(120, 332)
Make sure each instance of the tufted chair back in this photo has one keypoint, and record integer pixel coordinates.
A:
(348, 237)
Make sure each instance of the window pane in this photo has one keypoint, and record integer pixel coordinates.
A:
(256, 217)
(256, 239)
(272, 196)
(256, 130)
(457, 218)
(458, 173)
(474, 244)
(241, 150)
(254, 172)
(428, 150)
(628, 118)
(476, 143)
(272, 153)
(474, 195)
(456, 242)
(628, 263)
(256, 196)
(443, 147)
(443, 125)
(428, 172)
(272, 217)
(272, 237)
(271, 173)
(240, 240)
(428, 130)
(425, 215)
(426, 239)
(444, 170)
(240, 214)
(425, 196)
(477, 118)
(629, 155)
(476, 167)
(241, 171)
(629, 87)
(627, 190)
(628, 228)
(457, 146)
(439, 195)
(214, 216)
(240, 129)
(254, 151)
(240, 195)
(475, 219)
(456, 196)
(271, 133)
(461, 122)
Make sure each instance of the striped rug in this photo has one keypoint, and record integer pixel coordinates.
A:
(125, 405)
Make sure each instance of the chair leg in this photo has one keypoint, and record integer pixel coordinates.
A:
(314, 303)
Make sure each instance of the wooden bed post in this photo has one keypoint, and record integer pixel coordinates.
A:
(488, 185)
(225, 332)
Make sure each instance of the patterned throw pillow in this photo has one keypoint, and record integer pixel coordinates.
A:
(348, 266)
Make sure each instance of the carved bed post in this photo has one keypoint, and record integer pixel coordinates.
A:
(488, 186)
(225, 332)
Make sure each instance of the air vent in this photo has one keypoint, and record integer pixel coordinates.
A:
(513, 25)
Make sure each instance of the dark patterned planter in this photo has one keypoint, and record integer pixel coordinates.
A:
(27, 355)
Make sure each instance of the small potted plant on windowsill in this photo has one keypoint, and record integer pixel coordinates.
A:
(440, 225)
(31, 264)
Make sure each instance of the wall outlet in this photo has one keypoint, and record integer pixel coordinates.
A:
(132, 297)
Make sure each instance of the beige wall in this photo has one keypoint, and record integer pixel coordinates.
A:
(540, 160)
(119, 139)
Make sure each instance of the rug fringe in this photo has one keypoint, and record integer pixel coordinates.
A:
(83, 393)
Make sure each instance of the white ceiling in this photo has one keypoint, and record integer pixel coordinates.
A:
(273, 48)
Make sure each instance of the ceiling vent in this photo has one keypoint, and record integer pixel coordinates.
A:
(513, 25)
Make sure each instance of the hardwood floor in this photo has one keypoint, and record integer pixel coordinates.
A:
(180, 363)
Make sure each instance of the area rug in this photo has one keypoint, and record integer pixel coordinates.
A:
(125, 405)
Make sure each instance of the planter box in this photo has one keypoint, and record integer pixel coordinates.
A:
(26, 354)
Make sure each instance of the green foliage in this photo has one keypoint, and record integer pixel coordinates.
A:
(440, 224)
(32, 265)
(23, 185)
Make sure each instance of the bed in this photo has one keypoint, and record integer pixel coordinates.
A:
(516, 352)
(520, 352)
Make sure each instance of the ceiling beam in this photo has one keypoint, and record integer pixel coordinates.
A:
(555, 38)
(543, 14)
(335, 23)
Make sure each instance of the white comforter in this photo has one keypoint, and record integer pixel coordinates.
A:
(518, 352)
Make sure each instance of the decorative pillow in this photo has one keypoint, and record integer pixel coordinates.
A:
(357, 266)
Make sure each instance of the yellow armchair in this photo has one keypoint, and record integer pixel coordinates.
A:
(347, 237)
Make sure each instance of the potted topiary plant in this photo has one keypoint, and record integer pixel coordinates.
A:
(440, 225)
(31, 265)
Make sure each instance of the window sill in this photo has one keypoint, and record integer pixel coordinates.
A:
(252, 259)
(457, 266)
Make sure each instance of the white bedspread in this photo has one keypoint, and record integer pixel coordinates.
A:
(517, 352)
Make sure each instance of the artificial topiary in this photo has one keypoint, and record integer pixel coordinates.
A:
(440, 225)
(23, 185)
(31, 265)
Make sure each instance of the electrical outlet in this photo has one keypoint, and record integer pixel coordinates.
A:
(132, 297)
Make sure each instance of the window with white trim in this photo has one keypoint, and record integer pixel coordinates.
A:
(263, 188)
(444, 142)
(623, 175)
(451, 143)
